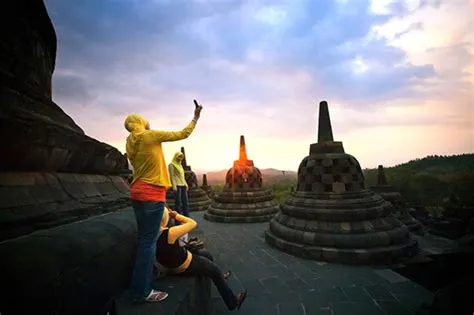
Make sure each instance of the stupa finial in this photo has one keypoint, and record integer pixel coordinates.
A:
(242, 150)
(184, 163)
(324, 125)
(204, 180)
(381, 177)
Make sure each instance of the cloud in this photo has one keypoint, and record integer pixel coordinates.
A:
(261, 67)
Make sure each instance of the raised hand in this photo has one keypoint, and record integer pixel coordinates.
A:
(197, 109)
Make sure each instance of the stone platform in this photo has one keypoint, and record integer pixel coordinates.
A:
(70, 269)
(332, 216)
(250, 206)
(244, 199)
(282, 284)
(360, 231)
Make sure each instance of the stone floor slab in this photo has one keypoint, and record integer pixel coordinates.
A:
(354, 308)
(391, 276)
(281, 284)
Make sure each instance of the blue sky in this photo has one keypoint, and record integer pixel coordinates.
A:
(398, 75)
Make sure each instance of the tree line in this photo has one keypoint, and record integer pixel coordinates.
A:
(433, 180)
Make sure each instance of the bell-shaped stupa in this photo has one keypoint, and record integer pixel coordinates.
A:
(197, 197)
(244, 199)
(332, 216)
(390, 194)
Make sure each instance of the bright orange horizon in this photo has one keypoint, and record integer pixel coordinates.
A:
(399, 79)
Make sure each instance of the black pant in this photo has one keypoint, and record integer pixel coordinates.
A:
(203, 264)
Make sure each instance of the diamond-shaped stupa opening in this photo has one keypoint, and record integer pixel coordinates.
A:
(328, 168)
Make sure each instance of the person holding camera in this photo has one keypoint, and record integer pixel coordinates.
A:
(181, 261)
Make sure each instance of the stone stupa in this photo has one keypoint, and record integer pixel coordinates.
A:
(244, 199)
(197, 197)
(390, 194)
(207, 188)
(332, 216)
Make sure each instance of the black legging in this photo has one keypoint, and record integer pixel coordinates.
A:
(203, 264)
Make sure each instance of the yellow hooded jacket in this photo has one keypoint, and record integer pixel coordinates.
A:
(176, 172)
(145, 152)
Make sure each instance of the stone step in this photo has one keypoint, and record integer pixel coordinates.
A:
(374, 255)
(238, 219)
(339, 227)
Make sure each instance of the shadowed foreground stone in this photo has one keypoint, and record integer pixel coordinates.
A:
(390, 194)
(59, 253)
(243, 198)
(197, 197)
(332, 216)
(39, 200)
(70, 269)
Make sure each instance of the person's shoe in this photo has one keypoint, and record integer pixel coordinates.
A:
(154, 296)
(240, 299)
(227, 274)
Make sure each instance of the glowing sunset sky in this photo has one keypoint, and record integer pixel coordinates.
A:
(398, 75)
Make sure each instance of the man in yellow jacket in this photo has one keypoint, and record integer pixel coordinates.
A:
(148, 195)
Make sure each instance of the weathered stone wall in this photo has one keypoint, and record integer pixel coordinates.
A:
(32, 145)
(34, 201)
(70, 269)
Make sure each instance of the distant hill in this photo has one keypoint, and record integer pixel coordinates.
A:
(270, 176)
(440, 166)
(441, 163)
(432, 179)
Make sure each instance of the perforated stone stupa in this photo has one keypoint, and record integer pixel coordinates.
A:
(332, 216)
(244, 199)
(197, 197)
(390, 194)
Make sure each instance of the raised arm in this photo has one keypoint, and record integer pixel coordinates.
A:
(186, 226)
(168, 136)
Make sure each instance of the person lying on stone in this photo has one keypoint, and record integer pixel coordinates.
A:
(180, 261)
(148, 195)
